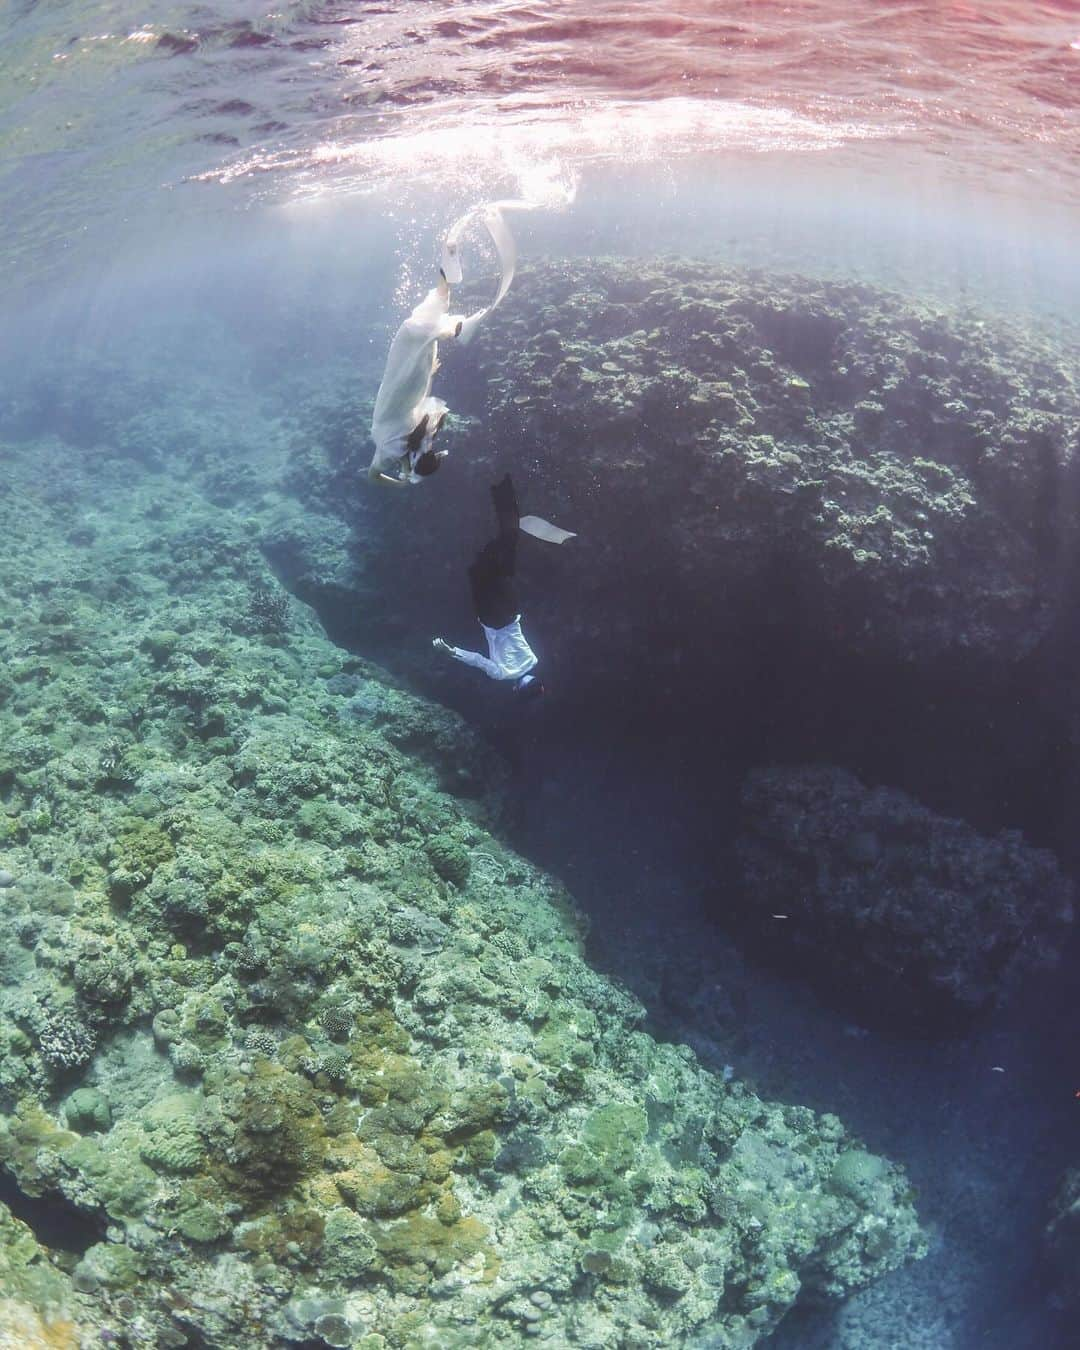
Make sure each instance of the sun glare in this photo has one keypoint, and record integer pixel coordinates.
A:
(535, 151)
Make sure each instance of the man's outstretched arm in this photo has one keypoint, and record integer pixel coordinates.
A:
(469, 658)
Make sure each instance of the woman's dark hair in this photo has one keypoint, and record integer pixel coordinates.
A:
(415, 438)
(426, 463)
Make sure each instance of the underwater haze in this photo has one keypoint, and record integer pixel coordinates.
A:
(724, 995)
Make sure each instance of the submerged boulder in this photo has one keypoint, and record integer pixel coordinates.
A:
(905, 911)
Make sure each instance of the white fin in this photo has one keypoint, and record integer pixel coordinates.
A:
(543, 529)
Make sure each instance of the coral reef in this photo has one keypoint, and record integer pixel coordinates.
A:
(917, 464)
(279, 1014)
(904, 910)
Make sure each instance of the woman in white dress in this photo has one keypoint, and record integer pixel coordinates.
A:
(407, 417)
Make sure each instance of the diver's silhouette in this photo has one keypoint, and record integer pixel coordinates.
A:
(495, 602)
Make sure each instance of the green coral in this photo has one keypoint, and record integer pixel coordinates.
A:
(138, 848)
(614, 1134)
(110, 1265)
(199, 1219)
(449, 859)
(278, 1135)
(87, 1110)
(348, 1249)
(859, 1175)
(160, 645)
(173, 1141)
(105, 1172)
(102, 974)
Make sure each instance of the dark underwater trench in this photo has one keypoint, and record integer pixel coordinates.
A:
(627, 789)
(689, 695)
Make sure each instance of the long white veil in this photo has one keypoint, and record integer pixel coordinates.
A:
(490, 215)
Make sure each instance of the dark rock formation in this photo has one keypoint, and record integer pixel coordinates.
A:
(902, 910)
